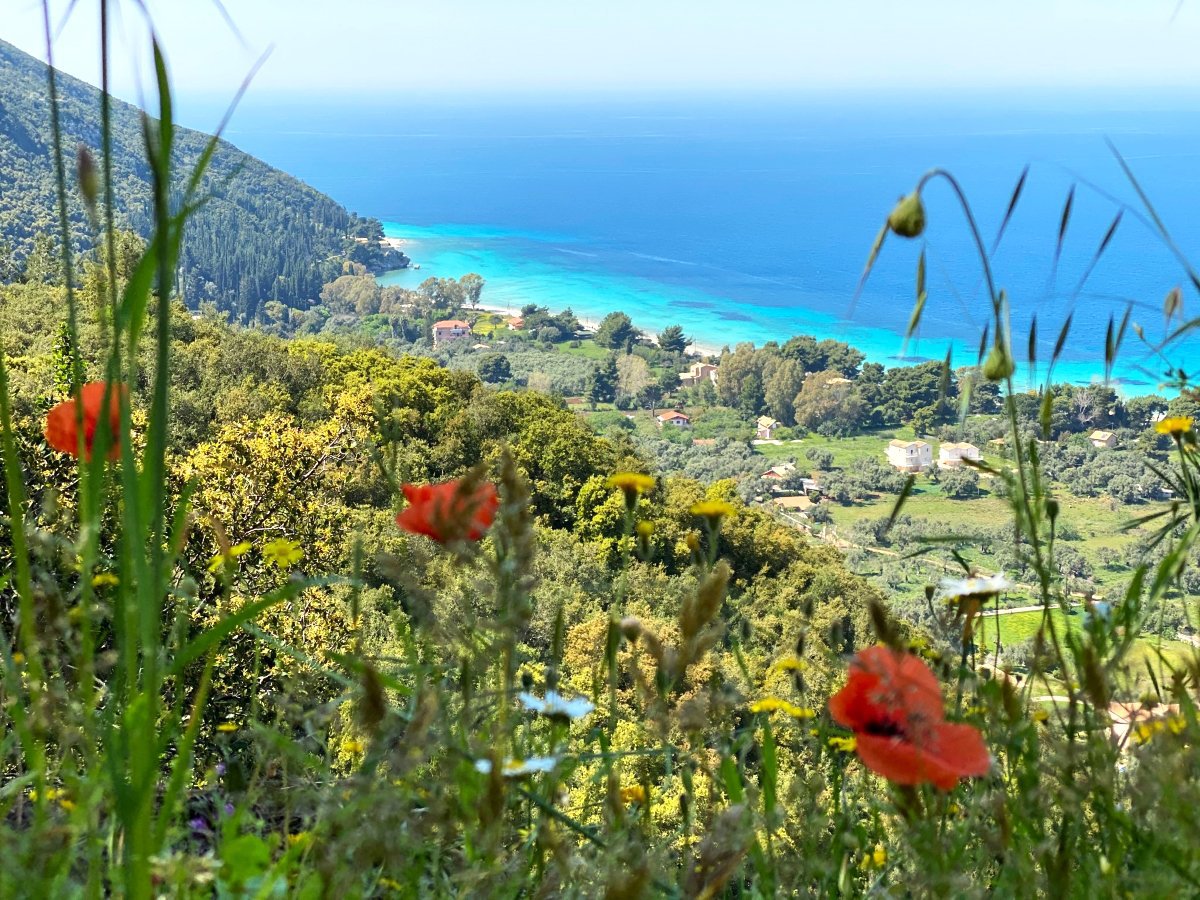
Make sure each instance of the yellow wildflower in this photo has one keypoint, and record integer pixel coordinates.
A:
(67, 805)
(18, 658)
(1175, 426)
(282, 553)
(768, 704)
(632, 483)
(845, 744)
(645, 529)
(775, 704)
(105, 579)
(633, 793)
(1176, 724)
(1040, 715)
(1143, 732)
(790, 664)
(353, 746)
(299, 839)
(219, 561)
(713, 509)
(227, 727)
(876, 859)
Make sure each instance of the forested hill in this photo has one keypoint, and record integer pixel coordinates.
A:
(263, 235)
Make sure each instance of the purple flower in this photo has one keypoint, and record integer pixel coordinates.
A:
(229, 809)
(220, 768)
(198, 824)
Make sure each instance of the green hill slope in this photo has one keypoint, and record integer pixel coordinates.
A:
(263, 235)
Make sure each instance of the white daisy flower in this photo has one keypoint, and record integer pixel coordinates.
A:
(518, 768)
(977, 587)
(556, 706)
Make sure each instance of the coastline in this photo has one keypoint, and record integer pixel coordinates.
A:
(514, 279)
(591, 324)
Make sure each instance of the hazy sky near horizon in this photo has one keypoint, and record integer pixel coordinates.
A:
(402, 47)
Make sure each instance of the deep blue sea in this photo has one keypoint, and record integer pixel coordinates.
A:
(750, 218)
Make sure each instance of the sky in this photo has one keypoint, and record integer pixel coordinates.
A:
(406, 47)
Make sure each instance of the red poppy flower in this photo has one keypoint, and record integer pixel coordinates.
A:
(62, 422)
(447, 512)
(893, 704)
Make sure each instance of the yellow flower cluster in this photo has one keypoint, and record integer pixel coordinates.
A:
(55, 794)
(1144, 732)
(845, 744)
(775, 704)
(876, 859)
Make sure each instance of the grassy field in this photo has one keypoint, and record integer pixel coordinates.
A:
(1016, 628)
(588, 349)
(1148, 652)
(1094, 519)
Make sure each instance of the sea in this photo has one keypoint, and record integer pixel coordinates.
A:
(751, 217)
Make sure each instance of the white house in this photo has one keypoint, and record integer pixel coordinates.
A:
(674, 418)
(450, 330)
(765, 427)
(909, 456)
(1104, 440)
(951, 455)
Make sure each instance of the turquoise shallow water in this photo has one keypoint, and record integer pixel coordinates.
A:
(555, 272)
(750, 217)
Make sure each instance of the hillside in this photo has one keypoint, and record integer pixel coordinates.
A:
(262, 235)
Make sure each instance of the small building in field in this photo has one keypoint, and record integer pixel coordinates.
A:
(515, 323)
(1103, 440)
(450, 330)
(951, 455)
(673, 418)
(697, 373)
(776, 473)
(801, 504)
(909, 456)
(765, 427)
